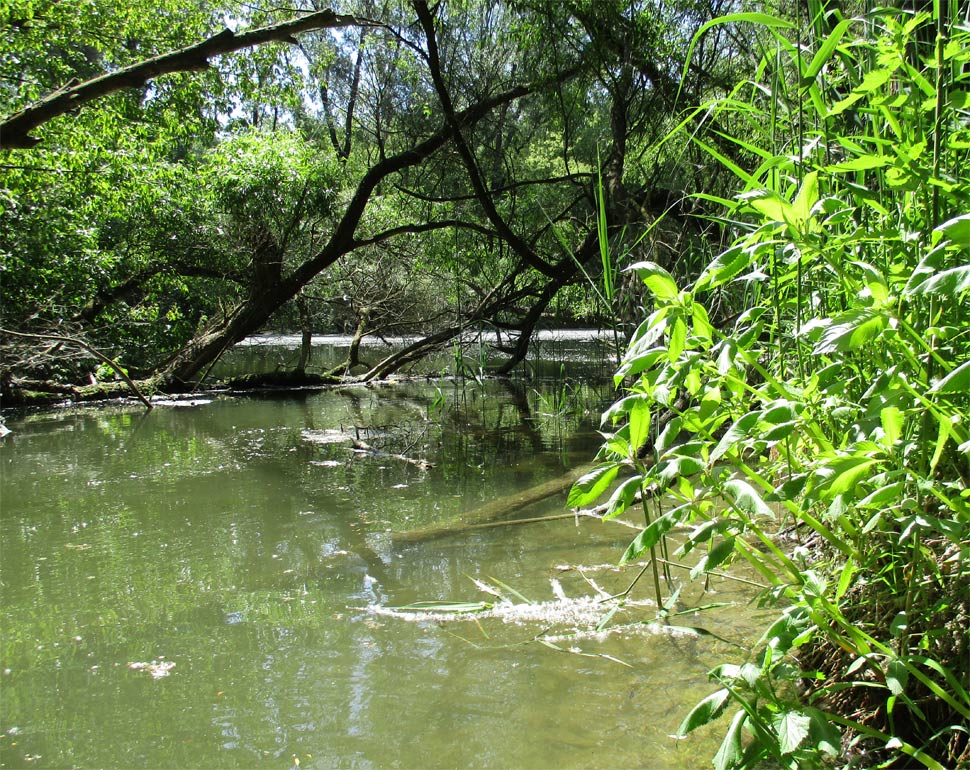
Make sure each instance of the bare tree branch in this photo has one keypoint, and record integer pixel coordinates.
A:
(15, 130)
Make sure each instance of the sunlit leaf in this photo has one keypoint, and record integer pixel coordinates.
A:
(862, 163)
(589, 487)
(650, 536)
(660, 282)
(639, 416)
(956, 230)
(725, 266)
(747, 498)
(731, 750)
(957, 381)
(792, 729)
(623, 497)
(851, 331)
(705, 712)
(892, 420)
(948, 283)
(842, 474)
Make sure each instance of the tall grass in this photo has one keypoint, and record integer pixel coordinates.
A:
(835, 406)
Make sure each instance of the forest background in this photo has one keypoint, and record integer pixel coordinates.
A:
(768, 204)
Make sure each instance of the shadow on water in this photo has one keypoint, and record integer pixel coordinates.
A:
(203, 587)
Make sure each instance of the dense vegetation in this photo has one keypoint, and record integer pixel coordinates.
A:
(452, 152)
(833, 411)
(787, 184)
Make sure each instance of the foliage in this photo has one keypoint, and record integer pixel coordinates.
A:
(833, 406)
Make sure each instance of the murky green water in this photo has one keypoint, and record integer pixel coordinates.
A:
(233, 551)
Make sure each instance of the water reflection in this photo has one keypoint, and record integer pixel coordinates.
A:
(221, 540)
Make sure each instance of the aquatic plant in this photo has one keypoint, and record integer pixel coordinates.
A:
(816, 427)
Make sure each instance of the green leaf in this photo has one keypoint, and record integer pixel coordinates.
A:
(852, 330)
(949, 283)
(705, 712)
(845, 578)
(589, 487)
(806, 199)
(892, 420)
(862, 163)
(841, 475)
(747, 498)
(956, 230)
(896, 676)
(792, 728)
(731, 750)
(957, 381)
(660, 282)
(714, 558)
(825, 51)
(650, 536)
(623, 497)
(725, 266)
(734, 435)
(639, 416)
(823, 734)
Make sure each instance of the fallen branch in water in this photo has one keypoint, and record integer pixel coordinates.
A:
(94, 352)
(361, 447)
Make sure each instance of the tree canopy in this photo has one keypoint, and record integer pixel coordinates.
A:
(173, 184)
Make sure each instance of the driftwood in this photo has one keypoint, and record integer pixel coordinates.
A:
(491, 513)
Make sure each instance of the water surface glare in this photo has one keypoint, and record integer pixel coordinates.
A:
(211, 586)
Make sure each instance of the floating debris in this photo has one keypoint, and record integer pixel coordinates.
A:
(326, 436)
(157, 668)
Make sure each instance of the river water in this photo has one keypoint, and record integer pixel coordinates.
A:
(211, 584)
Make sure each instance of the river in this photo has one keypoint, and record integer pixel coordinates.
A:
(212, 584)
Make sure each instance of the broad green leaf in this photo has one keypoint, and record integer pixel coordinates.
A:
(806, 199)
(713, 558)
(852, 330)
(668, 436)
(678, 339)
(892, 420)
(589, 487)
(673, 467)
(650, 536)
(725, 266)
(660, 282)
(862, 163)
(731, 750)
(639, 423)
(949, 283)
(623, 497)
(747, 498)
(957, 381)
(875, 282)
(771, 206)
(701, 322)
(792, 730)
(823, 734)
(705, 712)
(896, 676)
(734, 436)
(841, 475)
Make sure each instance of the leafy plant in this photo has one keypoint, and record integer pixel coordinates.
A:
(833, 404)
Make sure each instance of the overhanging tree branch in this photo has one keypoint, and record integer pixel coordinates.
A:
(15, 130)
